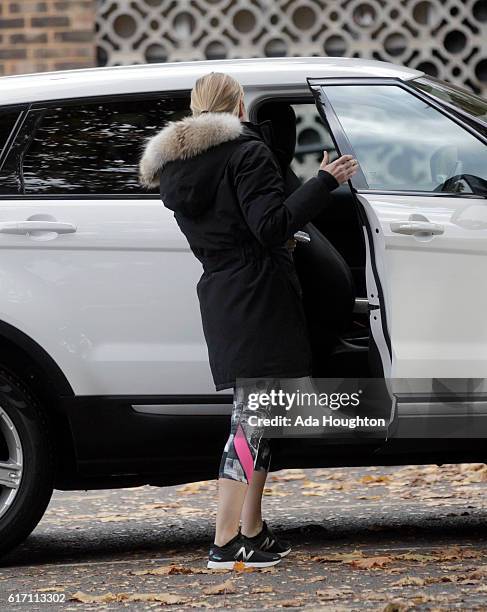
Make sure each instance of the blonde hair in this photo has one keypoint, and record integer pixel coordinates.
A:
(216, 92)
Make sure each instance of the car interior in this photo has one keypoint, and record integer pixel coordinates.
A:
(331, 266)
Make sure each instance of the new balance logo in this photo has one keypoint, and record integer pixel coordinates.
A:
(245, 556)
(267, 543)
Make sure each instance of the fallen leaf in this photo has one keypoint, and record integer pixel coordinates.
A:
(370, 562)
(421, 558)
(375, 480)
(87, 598)
(167, 570)
(394, 606)
(339, 557)
(287, 475)
(160, 506)
(113, 518)
(262, 589)
(194, 487)
(239, 566)
(291, 603)
(449, 554)
(370, 497)
(163, 598)
(479, 573)
(332, 593)
(274, 491)
(409, 581)
(219, 589)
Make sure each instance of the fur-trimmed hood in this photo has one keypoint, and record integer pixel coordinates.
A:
(185, 139)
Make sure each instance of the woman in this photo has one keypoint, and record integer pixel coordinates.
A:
(221, 179)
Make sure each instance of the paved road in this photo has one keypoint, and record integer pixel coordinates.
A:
(389, 539)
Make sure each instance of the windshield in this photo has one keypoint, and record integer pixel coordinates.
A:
(454, 95)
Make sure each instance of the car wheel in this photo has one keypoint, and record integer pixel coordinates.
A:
(26, 462)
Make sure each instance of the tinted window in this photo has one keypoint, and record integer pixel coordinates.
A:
(402, 143)
(94, 148)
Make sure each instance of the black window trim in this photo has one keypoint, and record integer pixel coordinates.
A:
(298, 97)
(22, 110)
(359, 183)
(46, 104)
(455, 109)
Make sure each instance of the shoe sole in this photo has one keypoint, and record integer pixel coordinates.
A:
(285, 553)
(231, 564)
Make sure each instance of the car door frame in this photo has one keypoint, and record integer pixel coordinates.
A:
(358, 183)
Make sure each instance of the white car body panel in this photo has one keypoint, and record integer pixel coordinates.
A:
(114, 304)
(434, 289)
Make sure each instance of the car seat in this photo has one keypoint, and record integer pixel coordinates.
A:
(326, 278)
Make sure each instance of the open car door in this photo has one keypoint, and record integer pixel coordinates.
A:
(421, 196)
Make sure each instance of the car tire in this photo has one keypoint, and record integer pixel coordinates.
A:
(28, 470)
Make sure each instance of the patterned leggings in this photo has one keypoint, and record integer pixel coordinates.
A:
(246, 450)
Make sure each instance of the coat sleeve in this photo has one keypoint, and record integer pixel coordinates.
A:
(272, 217)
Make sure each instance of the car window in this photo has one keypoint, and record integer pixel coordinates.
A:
(402, 143)
(94, 148)
(312, 138)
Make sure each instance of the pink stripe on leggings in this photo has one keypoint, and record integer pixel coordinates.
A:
(243, 453)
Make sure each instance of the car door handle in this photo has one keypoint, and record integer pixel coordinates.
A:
(302, 237)
(413, 228)
(25, 227)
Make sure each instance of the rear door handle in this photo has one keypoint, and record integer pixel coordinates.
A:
(25, 227)
(415, 228)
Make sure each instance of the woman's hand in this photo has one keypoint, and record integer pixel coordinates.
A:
(342, 168)
(291, 244)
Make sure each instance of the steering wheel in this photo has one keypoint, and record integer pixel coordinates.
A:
(464, 183)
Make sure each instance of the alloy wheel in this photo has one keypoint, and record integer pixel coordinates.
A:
(11, 462)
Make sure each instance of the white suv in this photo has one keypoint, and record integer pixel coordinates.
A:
(104, 376)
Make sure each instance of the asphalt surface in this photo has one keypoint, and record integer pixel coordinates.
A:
(389, 539)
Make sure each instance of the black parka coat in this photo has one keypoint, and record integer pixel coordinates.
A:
(225, 186)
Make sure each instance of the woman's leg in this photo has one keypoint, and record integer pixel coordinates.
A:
(252, 509)
(231, 496)
(240, 461)
(252, 521)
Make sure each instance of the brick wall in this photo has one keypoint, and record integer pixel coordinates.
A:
(36, 36)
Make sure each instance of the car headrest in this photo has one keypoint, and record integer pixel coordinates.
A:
(283, 119)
